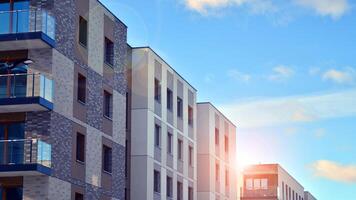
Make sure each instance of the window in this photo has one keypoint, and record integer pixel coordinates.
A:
(82, 87)
(157, 181)
(157, 90)
(169, 143)
(257, 184)
(190, 116)
(78, 196)
(227, 181)
(83, 31)
(217, 172)
(216, 136)
(283, 193)
(80, 151)
(179, 191)
(180, 149)
(191, 156)
(264, 184)
(107, 159)
(179, 107)
(190, 193)
(169, 187)
(169, 99)
(226, 144)
(157, 135)
(109, 52)
(249, 184)
(107, 104)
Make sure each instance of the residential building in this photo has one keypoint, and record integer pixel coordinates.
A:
(163, 132)
(308, 196)
(216, 142)
(62, 100)
(270, 182)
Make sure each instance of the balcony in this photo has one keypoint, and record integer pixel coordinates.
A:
(25, 93)
(26, 29)
(24, 158)
(266, 193)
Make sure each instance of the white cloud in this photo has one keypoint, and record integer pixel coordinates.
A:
(205, 6)
(281, 73)
(333, 8)
(239, 76)
(293, 109)
(335, 171)
(348, 75)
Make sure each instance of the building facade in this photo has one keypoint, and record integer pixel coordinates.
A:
(216, 142)
(62, 101)
(163, 132)
(308, 196)
(271, 182)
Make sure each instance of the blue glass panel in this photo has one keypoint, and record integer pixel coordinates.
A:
(21, 17)
(4, 18)
(2, 137)
(3, 86)
(16, 148)
(14, 193)
(18, 85)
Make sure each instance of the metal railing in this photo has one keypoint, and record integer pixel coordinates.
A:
(26, 85)
(23, 151)
(24, 21)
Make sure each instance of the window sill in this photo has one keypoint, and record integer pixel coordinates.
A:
(108, 118)
(83, 45)
(80, 162)
(107, 173)
(81, 102)
(158, 101)
(109, 65)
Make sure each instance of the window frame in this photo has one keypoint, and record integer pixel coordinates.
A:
(169, 99)
(107, 159)
(157, 136)
(78, 152)
(157, 90)
(179, 108)
(180, 149)
(109, 52)
(81, 89)
(156, 181)
(81, 35)
(108, 104)
(190, 116)
(169, 143)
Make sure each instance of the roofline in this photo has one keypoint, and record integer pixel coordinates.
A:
(112, 13)
(208, 102)
(148, 47)
(280, 166)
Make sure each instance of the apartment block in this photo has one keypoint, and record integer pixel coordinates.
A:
(271, 182)
(216, 142)
(62, 100)
(308, 196)
(163, 133)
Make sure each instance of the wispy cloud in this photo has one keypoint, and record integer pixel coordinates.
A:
(335, 171)
(239, 76)
(333, 8)
(281, 73)
(348, 75)
(206, 6)
(293, 109)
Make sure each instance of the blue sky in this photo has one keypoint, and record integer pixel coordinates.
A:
(283, 71)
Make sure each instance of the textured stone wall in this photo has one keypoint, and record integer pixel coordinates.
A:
(58, 189)
(35, 187)
(93, 157)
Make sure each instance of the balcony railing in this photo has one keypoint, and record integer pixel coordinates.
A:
(262, 192)
(26, 85)
(19, 152)
(26, 21)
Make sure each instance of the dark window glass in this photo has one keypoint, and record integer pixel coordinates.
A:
(109, 52)
(190, 193)
(169, 187)
(217, 172)
(80, 147)
(169, 99)
(107, 104)
(180, 149)
(157, 90)
(216, 136)
(169, 143)
(157, 135)
(157, 181)
(191, 156)
(179, 107)
(227, 178)
(79, 196)
(226, 144)
(83, 31)
(82, 87)
(179, 191)
(107, 159)
(190, 116)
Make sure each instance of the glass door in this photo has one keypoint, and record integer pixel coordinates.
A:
(11, 193)
(14, 16)
(12, 143)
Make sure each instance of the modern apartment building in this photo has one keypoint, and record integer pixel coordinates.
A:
(163, 132)
(216, 142)
(308, 196)
(62, 100)
(270, 182)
